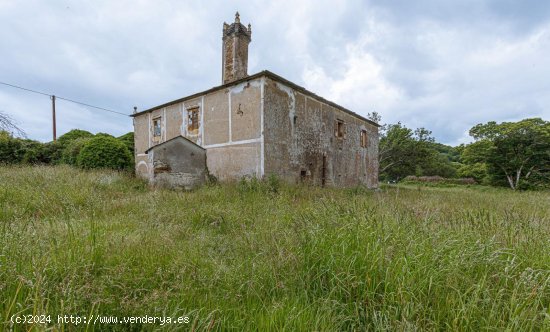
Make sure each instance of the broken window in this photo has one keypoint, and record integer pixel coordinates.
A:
(303, 175)
(192, 119)
(157, 128)
(339, 130)
(363, 138)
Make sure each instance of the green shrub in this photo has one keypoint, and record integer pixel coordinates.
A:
(14, 150)
(104, 152)
(437, 180)
(72, 150)
(11, 149)
(104, 135)
(52, 153)
(34, 152)
(478, 171)
(70, 136)
(128, 140)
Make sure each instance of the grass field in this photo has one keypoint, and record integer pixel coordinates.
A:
(264, 256)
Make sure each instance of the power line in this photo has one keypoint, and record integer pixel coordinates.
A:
(30, 90)
(66, 99)
(84, 104)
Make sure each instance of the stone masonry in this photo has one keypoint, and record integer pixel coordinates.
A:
(263, 124)
(236, 38)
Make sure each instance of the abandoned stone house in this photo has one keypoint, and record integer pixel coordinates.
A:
(254, 126)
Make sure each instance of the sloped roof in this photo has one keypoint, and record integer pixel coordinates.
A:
(265, 73)
(172, 139)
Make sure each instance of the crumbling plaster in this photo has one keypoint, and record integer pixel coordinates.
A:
(265, 126)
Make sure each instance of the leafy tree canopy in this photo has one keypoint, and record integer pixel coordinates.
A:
(516, 153)
(404, 152)
(72, 135)
(128, 140)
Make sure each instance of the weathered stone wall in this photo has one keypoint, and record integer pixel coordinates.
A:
(236, 38)
(235, 57)
(229, 128)
(241, 58)
(228, 59)
(141, 143)
(235, 162)
(301, 145)
(298, 140)
(178, 163)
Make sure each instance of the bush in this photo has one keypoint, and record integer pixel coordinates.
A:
(70, 153)
(128, 140)
(438, 180)
(11, 149)
(70, 136)
(104, 152)
(104, 135)
(34, 152)
(478, 171)
(52, 153)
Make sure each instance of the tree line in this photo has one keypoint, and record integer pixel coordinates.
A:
(511, 154)
(78, 148)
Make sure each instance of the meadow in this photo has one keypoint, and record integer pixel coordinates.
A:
(266, 256)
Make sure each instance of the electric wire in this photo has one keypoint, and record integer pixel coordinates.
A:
(66, 99)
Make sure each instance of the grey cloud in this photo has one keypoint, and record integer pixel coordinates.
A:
(444, 65)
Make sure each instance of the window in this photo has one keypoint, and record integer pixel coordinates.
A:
(339, 130)
(364, 138)
(156, 128)
(193, 119)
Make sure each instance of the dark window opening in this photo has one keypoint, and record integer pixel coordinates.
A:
(193, 119)
(295, 118)
(339, 130)
(157, 128)
(303, 174)
(364, 141)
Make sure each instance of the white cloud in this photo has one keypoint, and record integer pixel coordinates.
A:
(444, 66)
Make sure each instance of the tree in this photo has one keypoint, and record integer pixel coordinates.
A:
(396, 144)
(11, 149)
(9, 125)
(70, 153)
(73, 134)
(516, 153)
(128, 140)
(403, 152)
(15, 150)
(476, 171)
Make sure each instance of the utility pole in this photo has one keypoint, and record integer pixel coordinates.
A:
(53, 118)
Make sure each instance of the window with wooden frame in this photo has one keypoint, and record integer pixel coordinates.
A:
(157, 128)
(339, 129)
(193, 119)
(363, 138)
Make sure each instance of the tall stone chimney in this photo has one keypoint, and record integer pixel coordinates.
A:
(236, 38)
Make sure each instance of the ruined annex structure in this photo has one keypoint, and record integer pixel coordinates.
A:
(254, 126)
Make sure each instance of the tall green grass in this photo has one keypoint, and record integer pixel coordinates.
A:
(266, 256)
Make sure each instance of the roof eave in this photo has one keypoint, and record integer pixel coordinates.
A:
(265, 73)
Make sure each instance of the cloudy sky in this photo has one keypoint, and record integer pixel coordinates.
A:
(445, 65)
